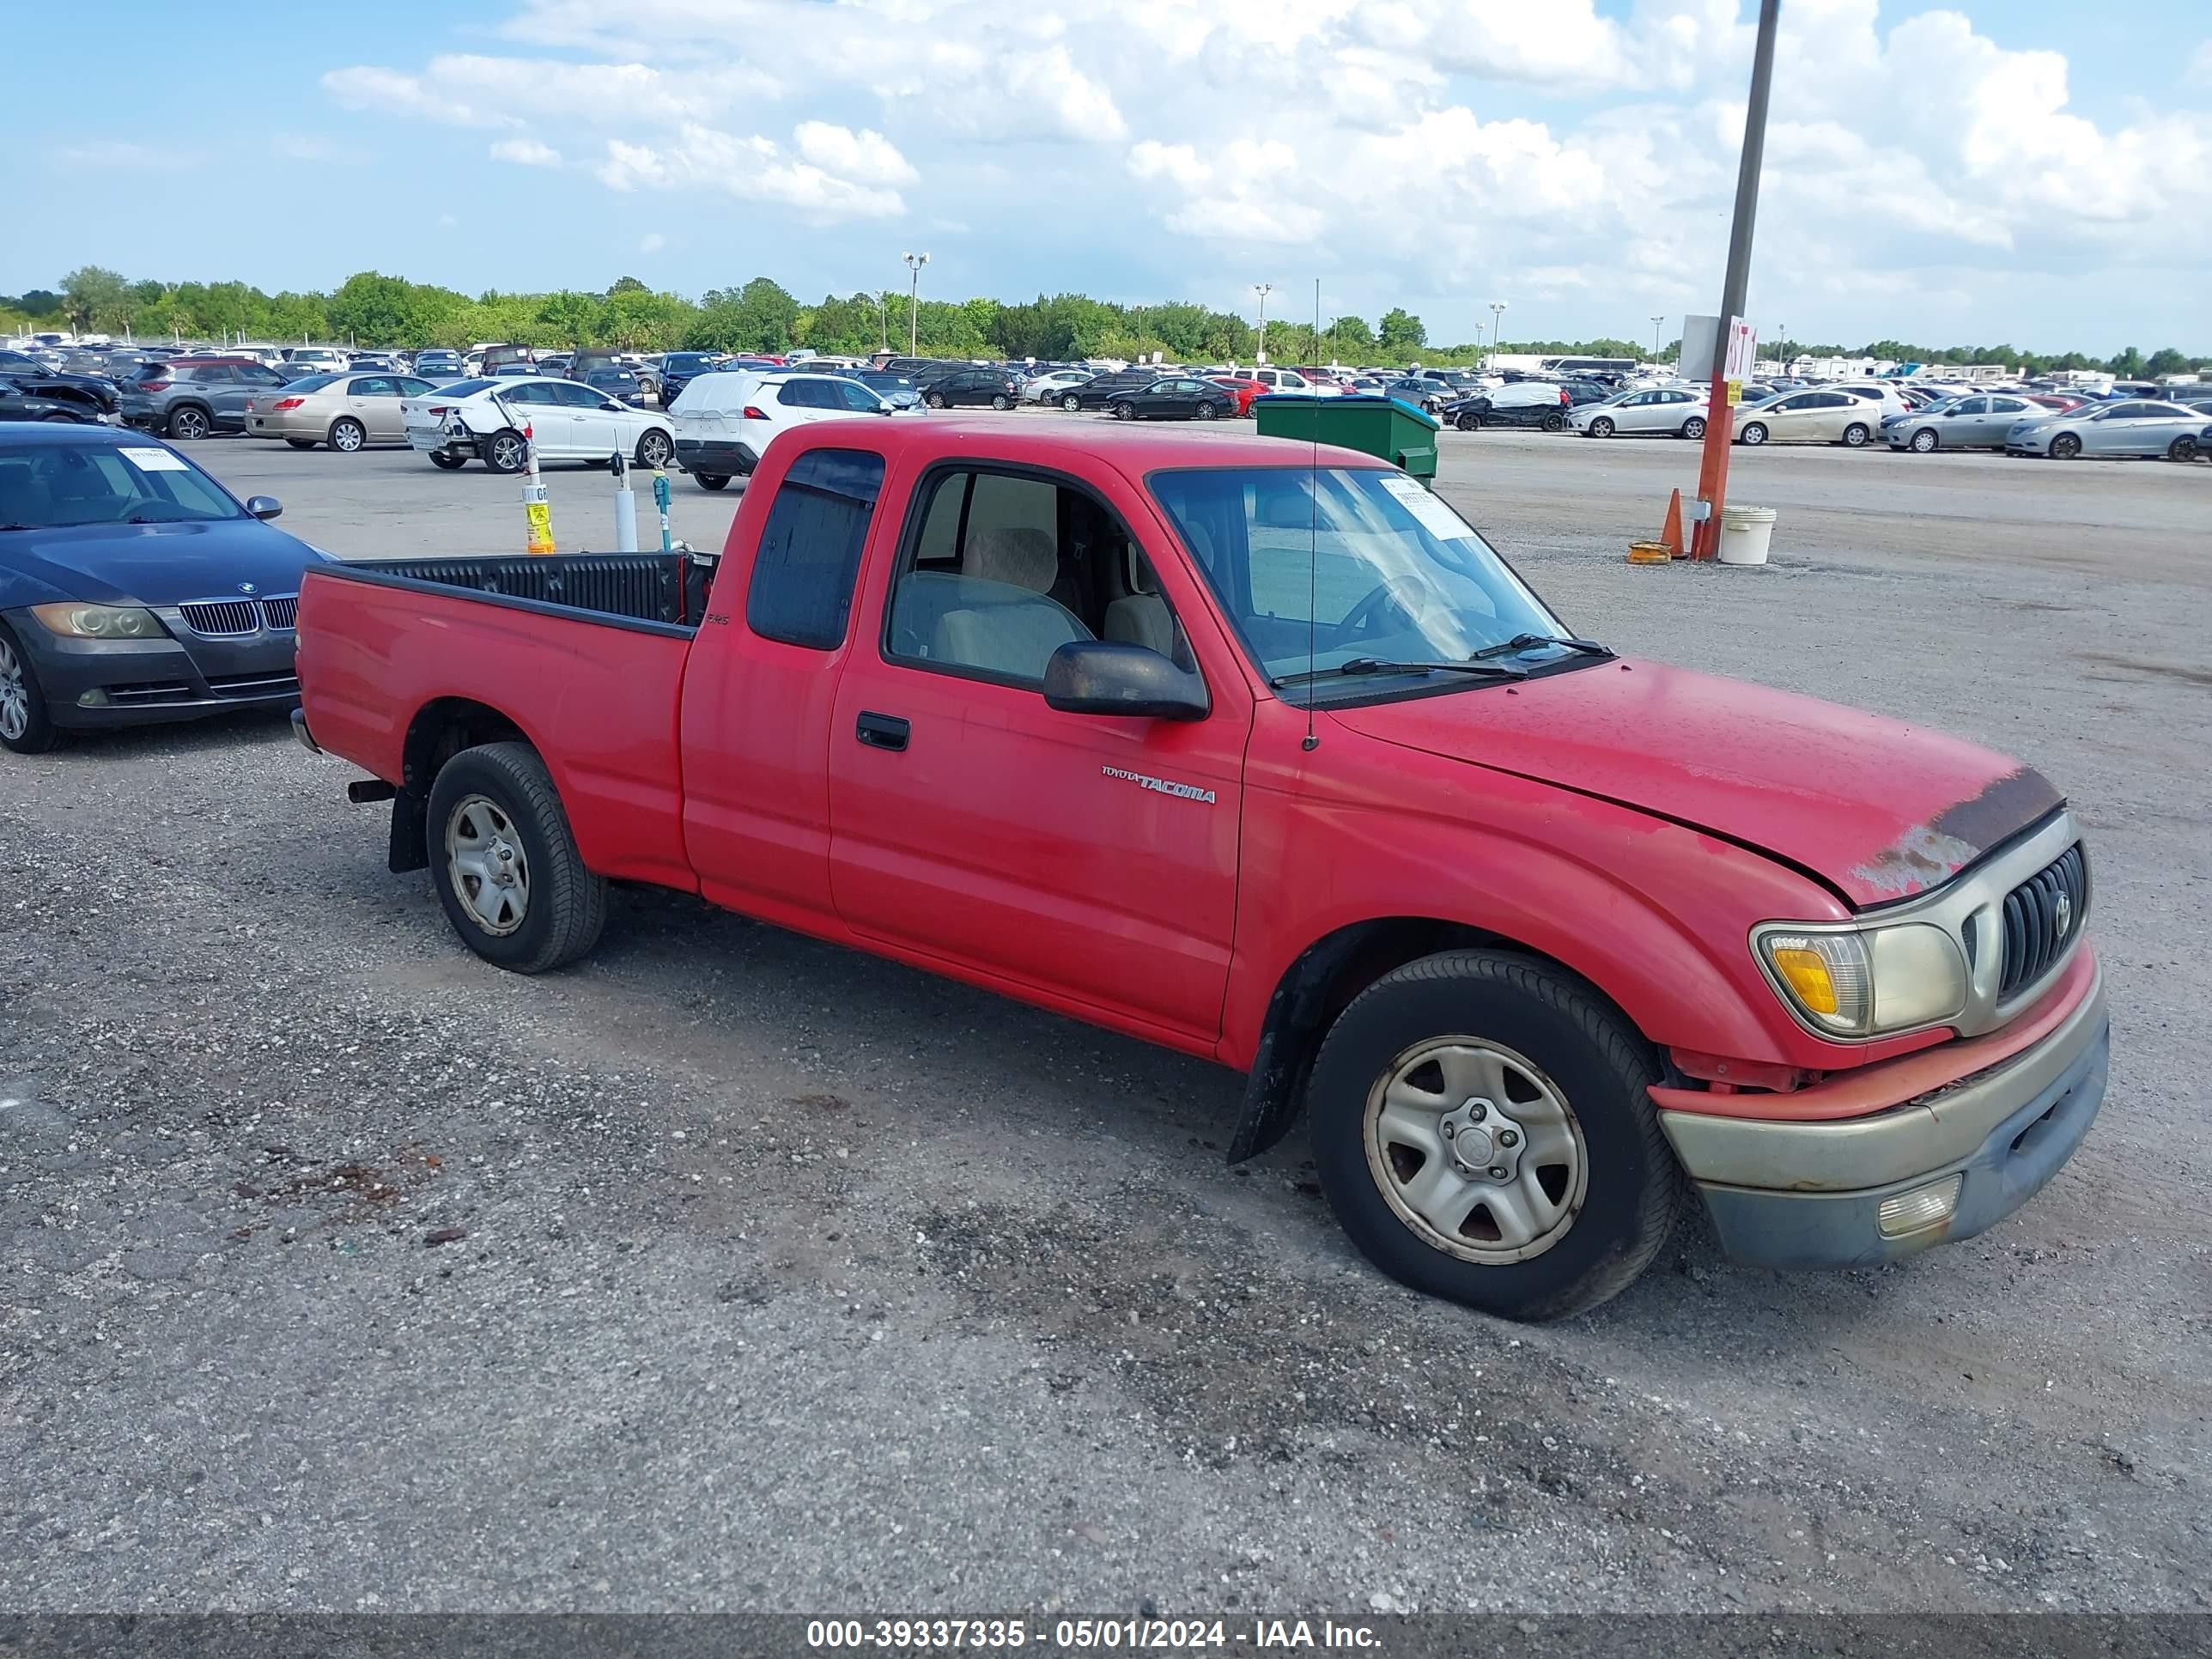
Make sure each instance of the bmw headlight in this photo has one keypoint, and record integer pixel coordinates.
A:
(1863, 982)
(100, 622)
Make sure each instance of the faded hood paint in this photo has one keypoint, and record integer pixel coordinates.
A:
(1877, 808)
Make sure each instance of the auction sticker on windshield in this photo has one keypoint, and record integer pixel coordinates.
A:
(156, 460)
(1432, 514)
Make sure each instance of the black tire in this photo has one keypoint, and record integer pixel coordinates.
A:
(1001, 401)
(1755, 434)
(507, 450)
(2183, 448)
(1601, 426)
(933, 399)
(1125, 411)
(1856, 435)
(712, 480)
(1694, 427)
(1597, 1062)
(1925, 441)
(189, 423)
(655, 449)
(1467, 421)
(1553, 422)
(2065, 446)
(68, 420)
(300, 443)
(1070, 402)
(1204, 412)
(347, 436)
(446, 461)
(18, 677)
(565, 904)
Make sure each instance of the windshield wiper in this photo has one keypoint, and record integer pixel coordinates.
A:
(1499, 671)
(17, 526)
(1530, 641)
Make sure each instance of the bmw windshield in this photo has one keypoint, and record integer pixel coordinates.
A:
(1379, 580)
(54, 486)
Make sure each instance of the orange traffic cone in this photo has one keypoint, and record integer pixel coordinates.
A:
(1670, 532)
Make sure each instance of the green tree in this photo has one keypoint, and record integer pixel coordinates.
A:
(627, 285)
(2166, 361)
(94, 296)
(2128, 365)
(1400, 332)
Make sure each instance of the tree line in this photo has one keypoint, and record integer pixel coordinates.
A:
(373, 309)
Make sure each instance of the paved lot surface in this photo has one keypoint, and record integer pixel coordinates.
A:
(777, 1277)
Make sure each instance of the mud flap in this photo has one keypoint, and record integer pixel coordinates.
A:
(410, 845)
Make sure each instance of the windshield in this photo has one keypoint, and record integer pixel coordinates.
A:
(1380, 567)
(48, 486)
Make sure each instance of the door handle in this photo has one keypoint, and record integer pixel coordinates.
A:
(882, 730)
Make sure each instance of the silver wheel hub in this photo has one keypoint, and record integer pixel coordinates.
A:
(15, 695)
(1476, 1149)
(484, 860)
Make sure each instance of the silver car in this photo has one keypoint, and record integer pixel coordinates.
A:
(1976, 421)
(2136, 427)
(1674, 410)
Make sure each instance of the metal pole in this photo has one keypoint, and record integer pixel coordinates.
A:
(1719, 419)
(1263, 290)
(1657, 323)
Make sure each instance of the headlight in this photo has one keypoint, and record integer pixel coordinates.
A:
(100, 622)
(1869, 981)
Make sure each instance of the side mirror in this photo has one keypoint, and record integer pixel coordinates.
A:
(263, 507)
(1104, 676)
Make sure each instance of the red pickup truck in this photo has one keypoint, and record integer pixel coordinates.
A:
(1263, 754)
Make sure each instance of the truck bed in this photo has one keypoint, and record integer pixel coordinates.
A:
(582, 656)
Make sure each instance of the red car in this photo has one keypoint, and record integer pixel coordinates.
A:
(1260, 753)
(2059, 402)
(1245, 391)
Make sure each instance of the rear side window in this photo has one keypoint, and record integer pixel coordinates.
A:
(810, 552)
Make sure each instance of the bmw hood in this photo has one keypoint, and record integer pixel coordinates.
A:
(152, 563)
(1874, 808)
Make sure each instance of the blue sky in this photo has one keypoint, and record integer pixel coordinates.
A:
(1999, 169)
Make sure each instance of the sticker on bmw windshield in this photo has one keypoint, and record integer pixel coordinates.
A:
(1432, 514)
(156, 460)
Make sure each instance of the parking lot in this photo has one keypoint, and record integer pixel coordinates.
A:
(729, 1270)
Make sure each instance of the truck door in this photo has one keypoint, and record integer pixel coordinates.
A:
(1089, 858)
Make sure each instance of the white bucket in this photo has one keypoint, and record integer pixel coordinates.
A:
(1745, 531)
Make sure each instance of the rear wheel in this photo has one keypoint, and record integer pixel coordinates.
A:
(1468, 420)
(300, 443)
(712, 480)
(1925, 440)
(505, 862)
(445, 460)
(1602, 426)
(507, 451)
(25, 726)
(1482, 1130)
(347, 434)
(1755, 434)
(188, 423)
(2065, 446)
(1001, 401)
(1553, 423)
(1855, 436)
(655, 449)
(1204, 412)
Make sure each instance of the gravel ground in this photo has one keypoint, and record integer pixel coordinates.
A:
(733, 1271)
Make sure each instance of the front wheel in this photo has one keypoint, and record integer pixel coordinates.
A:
(1755, 434)
(505, 862)
(25, 726)
(1601, 428)
(712, 480)
(1482, 1130)
(1855, 436)
(1070, 402)
(2183, 448)
(2065, 446)
(446, 461)
(1125, 411)
(655, 450)
(1925, 441)
(1694, 427)
(507, 451)
(934, 400)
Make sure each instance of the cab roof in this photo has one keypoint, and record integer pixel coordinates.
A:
(1133, 448)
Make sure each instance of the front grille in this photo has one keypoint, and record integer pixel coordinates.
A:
(2042, 916)
(281, 612)
(217, 618)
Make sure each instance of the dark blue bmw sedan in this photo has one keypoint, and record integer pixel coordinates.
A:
(134, 588)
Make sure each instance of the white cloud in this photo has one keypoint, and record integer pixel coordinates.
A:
(526, 152)
(364, 88)
(122, 153)
(757, 169)
(467, 89)
(651, 242)
(867, 157)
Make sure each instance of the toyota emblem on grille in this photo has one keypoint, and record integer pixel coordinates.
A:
(2063, 915)
(247, 588)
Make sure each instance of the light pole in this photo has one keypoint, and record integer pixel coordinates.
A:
(1657, 323)
(884, 321)
(1263, 290)
(914, 262)
(1496, 318)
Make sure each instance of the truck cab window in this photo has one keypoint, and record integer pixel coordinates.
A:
(1002, 569)
(801, 591)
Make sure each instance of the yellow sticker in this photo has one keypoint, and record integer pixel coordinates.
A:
(540, 514)
(1735, 393)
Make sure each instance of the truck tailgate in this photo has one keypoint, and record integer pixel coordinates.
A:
(596, 695)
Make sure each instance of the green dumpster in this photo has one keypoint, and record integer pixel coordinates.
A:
(1401, 434)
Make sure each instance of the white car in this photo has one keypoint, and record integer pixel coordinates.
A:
(1288, 379)
(1674, 411)
(498, 422)
(1893, 401)
(725, 420)
(303, 361)
(1045, 388)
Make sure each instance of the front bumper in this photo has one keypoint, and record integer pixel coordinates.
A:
(1810, 1194)
(91, 684)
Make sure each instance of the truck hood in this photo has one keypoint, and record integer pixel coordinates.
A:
(1874, 808)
